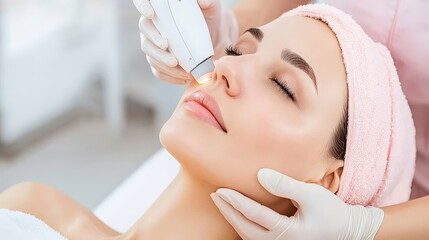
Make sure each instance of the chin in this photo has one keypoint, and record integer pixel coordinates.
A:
(170, 139)
(212, 164)
(185, 138)
(190, 139)
(179, 136)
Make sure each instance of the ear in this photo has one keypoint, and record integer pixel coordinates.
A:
(331, 180)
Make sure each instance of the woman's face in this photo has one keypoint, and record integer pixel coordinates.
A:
(275, 101)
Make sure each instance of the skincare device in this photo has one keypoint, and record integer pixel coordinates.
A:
(184, 26)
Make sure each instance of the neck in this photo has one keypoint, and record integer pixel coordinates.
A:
(184, 211)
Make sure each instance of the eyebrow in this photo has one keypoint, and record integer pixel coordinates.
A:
(294, 59)
(256, 33)
(288, 56)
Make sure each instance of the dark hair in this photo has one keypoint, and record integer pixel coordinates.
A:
(339, 140)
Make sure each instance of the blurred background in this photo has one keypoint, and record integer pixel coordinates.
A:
(79, 107)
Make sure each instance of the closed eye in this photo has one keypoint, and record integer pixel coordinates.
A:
(280, 84)
(232, 51)
(283, 87)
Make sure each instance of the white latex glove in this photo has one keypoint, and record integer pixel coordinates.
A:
(223, 29)
(320, 215)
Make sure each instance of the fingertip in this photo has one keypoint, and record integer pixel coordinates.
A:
(283, 186)
(223, 193)
(274, 182)
(222, 190)
(184, 78)
(230, 196)
(213, 194)
(216, 200)
(187, 81)
(171, 61)
(148, 14)
(268, 177)
(227, 192)
(263, 172)
(163, 44)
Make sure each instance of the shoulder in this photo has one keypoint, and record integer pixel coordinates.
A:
(58, 210)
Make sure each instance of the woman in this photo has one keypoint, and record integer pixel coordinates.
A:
(278, 100)
(400, 25)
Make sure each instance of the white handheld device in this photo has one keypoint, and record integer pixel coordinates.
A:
(184, 26)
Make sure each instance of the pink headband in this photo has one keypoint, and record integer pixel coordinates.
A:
(380, 153)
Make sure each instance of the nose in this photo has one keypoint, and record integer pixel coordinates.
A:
(227, 74)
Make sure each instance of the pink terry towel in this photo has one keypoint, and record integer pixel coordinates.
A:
(380, 153)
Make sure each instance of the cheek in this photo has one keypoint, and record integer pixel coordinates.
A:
(223, 160)
(266, 143)
(232, 160)
(199, 147)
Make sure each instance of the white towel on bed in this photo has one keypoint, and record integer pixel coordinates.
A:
(16, 225)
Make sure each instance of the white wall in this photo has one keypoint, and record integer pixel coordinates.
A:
(42, 84)
(43, 75)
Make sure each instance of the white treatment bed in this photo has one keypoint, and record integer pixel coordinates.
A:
(133, 197)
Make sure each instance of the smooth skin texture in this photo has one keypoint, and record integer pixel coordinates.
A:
(270, 129)
(416, 211)
(56, 209)
(265, 128)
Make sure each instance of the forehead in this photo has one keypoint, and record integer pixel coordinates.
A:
(300, 33)
(310, 38)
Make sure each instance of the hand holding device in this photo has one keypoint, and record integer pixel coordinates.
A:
(165, 63)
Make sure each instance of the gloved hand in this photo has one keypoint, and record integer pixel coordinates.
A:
(320, 215)
(223, 29)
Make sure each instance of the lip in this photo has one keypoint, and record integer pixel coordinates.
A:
(210, 112)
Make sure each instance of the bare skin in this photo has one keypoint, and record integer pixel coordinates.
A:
(76, 219)
(73, 221)
(56, 209)
(405, 221)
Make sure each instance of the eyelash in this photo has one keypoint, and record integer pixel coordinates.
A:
(281, 85)
(232, 51)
